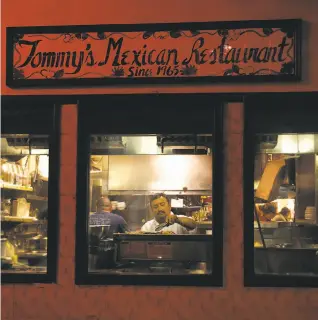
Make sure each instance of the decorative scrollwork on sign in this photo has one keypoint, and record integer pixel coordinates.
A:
(189, 70)
(118, 72)
(18, 74)
(288, 68)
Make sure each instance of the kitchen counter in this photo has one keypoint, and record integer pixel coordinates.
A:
(156, 269)
(286, 260)
(24, 269)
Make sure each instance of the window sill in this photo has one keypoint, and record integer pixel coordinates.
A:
(275, 280)
(26, 278)
(150, 280)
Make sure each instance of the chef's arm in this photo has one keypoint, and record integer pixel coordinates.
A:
(186, 222)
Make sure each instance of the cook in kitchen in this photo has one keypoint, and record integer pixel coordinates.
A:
(163, 217)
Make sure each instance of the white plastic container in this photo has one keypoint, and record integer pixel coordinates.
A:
(20, 208)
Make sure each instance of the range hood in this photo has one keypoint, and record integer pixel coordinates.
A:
(185, 143)
(151, 144)
(107, 144)
(267, 141)
(23, 144)
(145, 174)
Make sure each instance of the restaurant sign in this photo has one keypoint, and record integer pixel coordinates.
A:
(156, 53)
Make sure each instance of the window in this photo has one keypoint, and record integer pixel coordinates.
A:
(28, 196)
(282, 206)
(150, 208)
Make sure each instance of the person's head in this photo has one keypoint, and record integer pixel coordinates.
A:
(160, 207)
(286, 213)
(104, 204)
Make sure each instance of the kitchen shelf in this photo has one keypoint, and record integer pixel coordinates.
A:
(149, 193)
(17, 219)
(35, 197)
(204, 224)
(31, 255)
(272, 224)
(9, 186)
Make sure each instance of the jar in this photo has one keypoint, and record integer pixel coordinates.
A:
(18, 175)
(4, 170)
(11, 177)
(26, 178)
(6, 207)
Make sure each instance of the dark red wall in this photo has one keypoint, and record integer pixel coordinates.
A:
(77, 12)
(64, 300)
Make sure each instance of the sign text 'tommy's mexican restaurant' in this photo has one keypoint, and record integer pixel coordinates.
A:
(173, 54)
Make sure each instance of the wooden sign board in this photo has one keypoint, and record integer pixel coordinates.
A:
(156, 53)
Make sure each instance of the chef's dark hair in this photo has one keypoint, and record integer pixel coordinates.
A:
(157, 196)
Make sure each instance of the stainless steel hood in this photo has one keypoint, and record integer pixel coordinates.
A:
(185, 143)
(153, 173)
(151, 144)
(23, 144)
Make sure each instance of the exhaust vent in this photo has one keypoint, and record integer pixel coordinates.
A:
(185, 144)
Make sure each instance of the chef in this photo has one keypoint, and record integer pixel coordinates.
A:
(161, 209)
(102, 225)
(105, 218)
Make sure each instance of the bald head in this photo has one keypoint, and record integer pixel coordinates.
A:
(104, 204)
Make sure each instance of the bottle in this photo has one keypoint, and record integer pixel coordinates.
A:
(26, 178)
(19, 176)
(10, 173)
(4, 172)
(16, 174)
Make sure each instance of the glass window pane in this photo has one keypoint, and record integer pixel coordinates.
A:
(150, 204)
(24, 203)
(286, 202)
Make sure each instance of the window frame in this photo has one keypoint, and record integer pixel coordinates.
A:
(47, 123)
(85, 129)
(292, 119)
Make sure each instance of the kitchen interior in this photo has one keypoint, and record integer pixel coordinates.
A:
(285, 204)
(131, 168)
(24, 203)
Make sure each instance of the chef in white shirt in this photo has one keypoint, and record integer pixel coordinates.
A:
(161, 209)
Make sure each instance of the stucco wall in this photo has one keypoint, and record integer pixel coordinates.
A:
(76, 12)
(66, 301)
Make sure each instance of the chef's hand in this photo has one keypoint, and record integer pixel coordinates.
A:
(172, 219)
(185, 222)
